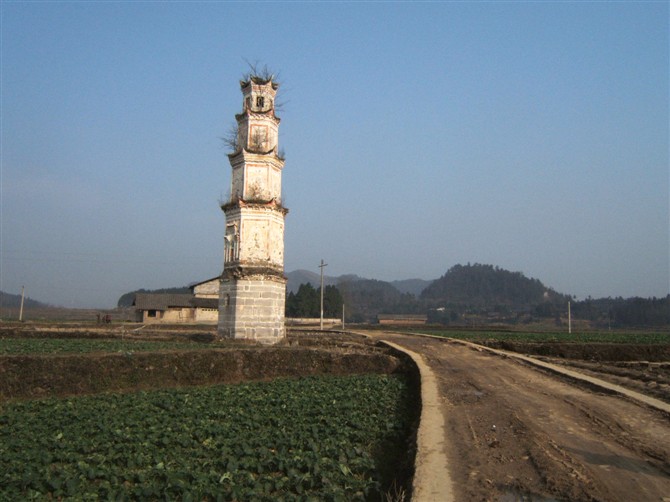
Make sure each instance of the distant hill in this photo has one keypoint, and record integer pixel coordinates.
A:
(486, 286)
(494, 294)
(411, 286)
(126, 300)
(298, 277)
(10, 301)
(480, 286)
(365, 298)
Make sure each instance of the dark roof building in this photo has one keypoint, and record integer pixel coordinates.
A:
(154, 307)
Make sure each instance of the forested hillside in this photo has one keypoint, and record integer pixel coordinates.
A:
(14, 301)
(485, 285)
(365, 298)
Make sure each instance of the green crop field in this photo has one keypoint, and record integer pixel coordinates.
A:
(589, 337)
(316, 438)
(11, 346)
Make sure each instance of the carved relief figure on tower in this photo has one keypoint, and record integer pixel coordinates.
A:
(255, 192)
(259, 141)
(257, 187)
(231, 243)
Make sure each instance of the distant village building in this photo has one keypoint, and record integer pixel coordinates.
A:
(253, 286)
(206, 299)
(201, 306)
(402, 319)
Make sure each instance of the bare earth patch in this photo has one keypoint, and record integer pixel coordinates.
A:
(514, 432)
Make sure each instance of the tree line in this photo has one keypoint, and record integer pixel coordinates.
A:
(619, 311)
(306, 302)
(365, 299)
(485, 291)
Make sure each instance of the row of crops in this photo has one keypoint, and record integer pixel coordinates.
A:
(316, 438)
(14, 346)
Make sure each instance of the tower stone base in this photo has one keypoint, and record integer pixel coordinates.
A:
(252, 308)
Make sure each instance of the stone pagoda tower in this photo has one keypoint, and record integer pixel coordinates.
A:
(253, 285)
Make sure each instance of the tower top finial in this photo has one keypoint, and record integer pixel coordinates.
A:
(259, 82)
(258, 76)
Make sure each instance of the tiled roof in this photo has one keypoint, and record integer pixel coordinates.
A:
(217, 278)
(152, 301)
(205, 303)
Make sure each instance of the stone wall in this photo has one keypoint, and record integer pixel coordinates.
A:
(253, 309)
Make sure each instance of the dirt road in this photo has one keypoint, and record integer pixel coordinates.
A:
(513, 432)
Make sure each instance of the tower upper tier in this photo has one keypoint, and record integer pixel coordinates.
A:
(257, 125)
(259, 95)
(256, 163)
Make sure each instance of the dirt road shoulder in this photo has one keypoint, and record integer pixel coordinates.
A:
(431, 476)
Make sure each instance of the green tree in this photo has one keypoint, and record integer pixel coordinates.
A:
(304, 303)
(332, 301)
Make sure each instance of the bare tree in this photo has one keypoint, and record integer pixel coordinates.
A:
(258, 140)
(263, 75)
(231, 138)
(258, 73)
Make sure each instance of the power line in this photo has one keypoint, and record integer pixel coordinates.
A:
(76, 257)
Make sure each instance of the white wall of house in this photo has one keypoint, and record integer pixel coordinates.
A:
(176, 315)
(206, 315)
(209, 289)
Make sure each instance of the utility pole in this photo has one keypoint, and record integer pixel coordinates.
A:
(343, 317)
(23, 290)
(569, 319)
(321, 267)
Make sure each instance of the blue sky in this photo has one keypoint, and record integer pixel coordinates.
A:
(528, 135)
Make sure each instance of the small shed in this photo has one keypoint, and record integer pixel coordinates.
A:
(402, 319)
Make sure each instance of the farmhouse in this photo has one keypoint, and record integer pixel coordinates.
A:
(199, 306)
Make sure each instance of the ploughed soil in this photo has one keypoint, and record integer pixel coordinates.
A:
(597, 352)
(642, 368)
(514, 432)
(303, 354)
